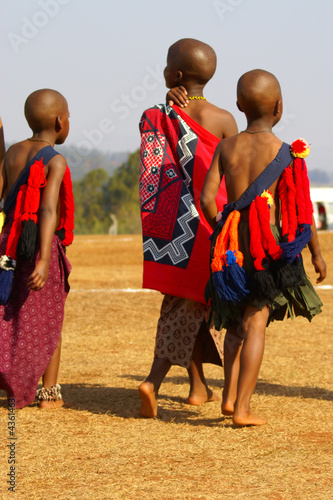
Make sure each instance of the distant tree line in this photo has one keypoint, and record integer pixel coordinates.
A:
(98, 195)
(81, 165)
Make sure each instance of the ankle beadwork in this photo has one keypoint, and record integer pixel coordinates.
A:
(52, 394)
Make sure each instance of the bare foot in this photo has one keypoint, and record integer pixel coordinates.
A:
(227, 408)
(52, 404)
(204, 397)
(148, 400)
(241, 419)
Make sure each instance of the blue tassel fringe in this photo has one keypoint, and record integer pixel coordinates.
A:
(293, 248)
(231, 284)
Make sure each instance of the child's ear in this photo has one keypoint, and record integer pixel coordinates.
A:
(239, 106)
(278, 108)
(179, 76)
(58, 124)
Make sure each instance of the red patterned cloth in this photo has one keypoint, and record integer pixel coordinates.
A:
(31, 322)
(176, 153)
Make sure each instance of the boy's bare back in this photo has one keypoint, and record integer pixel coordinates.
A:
(18, 156)
(242, 158)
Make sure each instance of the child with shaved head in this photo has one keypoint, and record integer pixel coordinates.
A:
(36, 189)
(257, 274)
(177, 146)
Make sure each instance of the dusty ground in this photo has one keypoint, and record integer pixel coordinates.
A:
(102, 449)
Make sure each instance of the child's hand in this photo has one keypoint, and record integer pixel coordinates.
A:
(320, 267)
(38, 278)
(178, 96)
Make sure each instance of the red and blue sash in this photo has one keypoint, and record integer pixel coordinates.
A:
(275, 263)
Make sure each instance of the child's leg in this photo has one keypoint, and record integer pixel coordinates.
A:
(148, 390)
(50, 378)
(232, 350)
(254, 326)
(199, 391)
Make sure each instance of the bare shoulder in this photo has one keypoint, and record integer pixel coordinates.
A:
(16, 149)
(220, 111)
(229, 142)
(15, 160)
(228, 148)
(58, 161)
(217, 121)
(56, 165)
(224, 120)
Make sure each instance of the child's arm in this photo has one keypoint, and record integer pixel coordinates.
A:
(48, 221)
(178, 96)
(210, 189)
(317, 259)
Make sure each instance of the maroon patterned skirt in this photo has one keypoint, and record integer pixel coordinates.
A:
(31, 323)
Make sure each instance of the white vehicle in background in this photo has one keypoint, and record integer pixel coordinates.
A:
(322, 199)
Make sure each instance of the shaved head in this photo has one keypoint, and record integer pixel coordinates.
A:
(42, 107)
(258, 91)
(196, 60)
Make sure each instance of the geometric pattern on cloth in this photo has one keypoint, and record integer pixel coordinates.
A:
(176, 153)
(166, 188)
(184, 144)
(176, 249)
(151, 156)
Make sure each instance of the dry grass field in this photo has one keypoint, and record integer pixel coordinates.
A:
(100, 448)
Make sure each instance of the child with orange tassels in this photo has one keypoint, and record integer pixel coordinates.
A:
(257, 274)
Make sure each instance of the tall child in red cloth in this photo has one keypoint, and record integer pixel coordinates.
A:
(257, 272)
(177, 146)
(36, 189)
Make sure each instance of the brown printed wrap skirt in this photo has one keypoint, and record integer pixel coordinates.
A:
(178, 326)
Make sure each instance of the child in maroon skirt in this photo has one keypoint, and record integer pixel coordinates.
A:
(36, 189)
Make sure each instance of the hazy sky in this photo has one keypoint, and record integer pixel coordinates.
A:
(106, 57)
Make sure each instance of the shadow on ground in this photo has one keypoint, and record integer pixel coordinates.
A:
(262, 387)
(125, 402)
